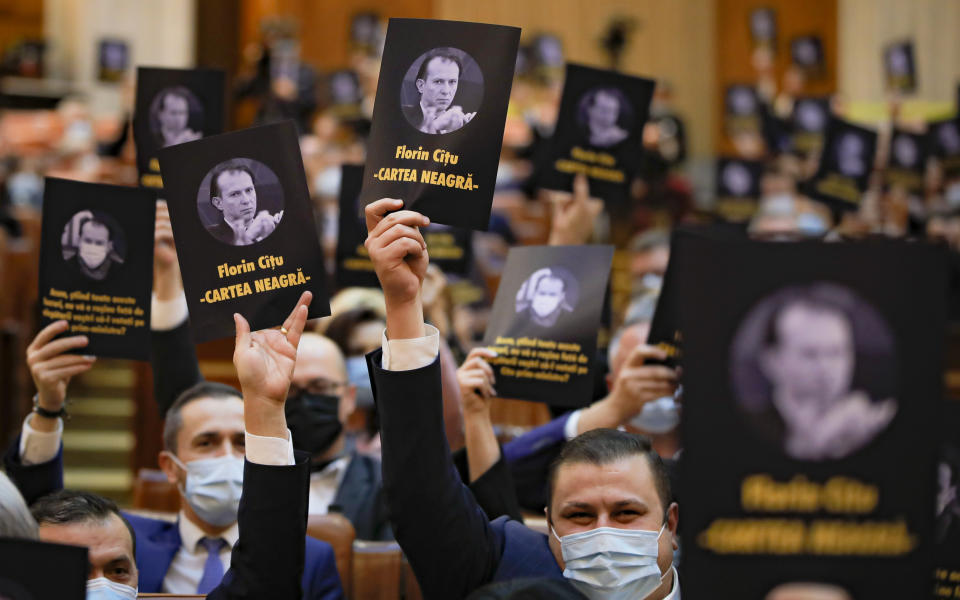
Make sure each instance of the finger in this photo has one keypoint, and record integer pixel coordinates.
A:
(403, 247)
(482, 352)
(403, 217)
(302, 300)
(644, 352)
(299, 322)
(651, 372)
(46, 334)
(57, 347)
(581, 188)
(69, 371)
(67, 360)
(375, 211)
(243, 332)
(398, 231)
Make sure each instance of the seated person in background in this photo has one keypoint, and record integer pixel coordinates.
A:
(611, 519)
(206, 434)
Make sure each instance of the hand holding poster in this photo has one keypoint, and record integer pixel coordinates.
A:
(438, 118)
(907, 162)
(354, 267)
(845, 165)
(545, 320)
(244, 228)
(96, 265)
(803, 387)
(174, 106)
(599, 129)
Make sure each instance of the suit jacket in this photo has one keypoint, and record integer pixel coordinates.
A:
(268, 560)
(529, 457)
(451, 544)
(222, 232)
(360, 495)
(414, 114)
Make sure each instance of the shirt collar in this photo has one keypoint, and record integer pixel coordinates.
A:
(237, 226)
(190, 534)
(675, 589)
(334, 470)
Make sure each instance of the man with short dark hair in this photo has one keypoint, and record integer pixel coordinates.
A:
(603, 113)
(174, 118)
(437, 82)
(612, 524)
(233, 192)
(95, 253)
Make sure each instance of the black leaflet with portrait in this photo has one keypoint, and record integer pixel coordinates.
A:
(744, 111)
(545, 321)
(810, 118)
(113, 58)
(738, 188)
(96, 264)
(244, 228)
(946, 532)
(907, 161)
(25, 570)
(354, 267)
(943, 138)
(899, 67)
(450, 248)
(806, 53)
(763, 27)
(845, 165)
(598, 133)
(438, 118)
(812, 388)
(174, 106)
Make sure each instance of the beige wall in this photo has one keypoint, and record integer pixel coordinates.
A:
(866, 26)
(675, 41)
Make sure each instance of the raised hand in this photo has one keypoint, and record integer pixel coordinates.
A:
(166, 269)
(573, 214)
(637, 383)
(50, 368)
(476, 378)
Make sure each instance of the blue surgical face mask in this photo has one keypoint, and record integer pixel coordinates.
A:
(25, 189)
(608, 563)
(213, 487)
(327, 182)
(102, 588)
(811, 224)
(357, 375)
(658, 416)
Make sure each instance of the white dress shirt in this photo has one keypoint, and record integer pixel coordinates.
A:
(324, 485)
(186, 570)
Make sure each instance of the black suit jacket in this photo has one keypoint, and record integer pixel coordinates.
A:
(222, 232)
(414, 114)
(267, 561)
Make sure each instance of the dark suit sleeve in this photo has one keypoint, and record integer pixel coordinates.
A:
(267, 561)
(443, 532)
(33, 481)
(175, 365)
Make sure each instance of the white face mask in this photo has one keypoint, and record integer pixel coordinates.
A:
(608, 563)
(102, 588)
(659, 416)
(213, 487)
(92, 255)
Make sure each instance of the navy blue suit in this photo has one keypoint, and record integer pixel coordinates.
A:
(451, 544)
(269, 560)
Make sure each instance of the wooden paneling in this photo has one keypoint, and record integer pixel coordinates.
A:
(674, 42)
(20, 19)
(734, 48)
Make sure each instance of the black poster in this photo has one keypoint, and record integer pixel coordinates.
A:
(946, 533)
(438, 118)
(743, 110)
(944, 142)
(810, 119)
(174, 106)
(545, 320)
(113, 57)
(806, 53)
(812, 391)
(96, 264)
(25, 570)
(450, 248)
(738, 188)
(845, 165)
(763, 27)
(354, 267)
(344, 95)
(599, 131)
(907, 161)
(244, 228)
(899, 68)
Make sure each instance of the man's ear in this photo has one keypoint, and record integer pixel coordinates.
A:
(169, 468)
(217, 203)
(420, 84)
(767, 361)
(673, 520)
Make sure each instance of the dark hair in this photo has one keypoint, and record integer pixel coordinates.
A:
(204, 389)
(818, 297)
(230, 165)
(96, 221)
(341, 327)
(77, 506)
(604, 446)
(443, 53)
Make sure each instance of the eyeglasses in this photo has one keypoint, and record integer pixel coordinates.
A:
(319, 387)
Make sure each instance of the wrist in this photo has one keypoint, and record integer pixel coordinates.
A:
(264, 417)
(168, 286)
(51, 402)
(405, 319)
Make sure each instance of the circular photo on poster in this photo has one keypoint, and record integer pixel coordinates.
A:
(898, 61)
(240, 202)
(547, 294)
(605, 116)
(810, 116)
(948, 135)
(741, 100)
(851, 155)
(176, 116)
(94, 244)
(947, 530)
(813, 370)
(442, 91)
(737, 179)
(905, 151)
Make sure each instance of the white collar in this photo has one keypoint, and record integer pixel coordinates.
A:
(334, 469)
(675, 589)
(190, 534)
(237, 226)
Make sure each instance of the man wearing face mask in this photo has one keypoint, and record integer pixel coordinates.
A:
(546, 296)
(264, 493)
(95, 253)
(609, 507)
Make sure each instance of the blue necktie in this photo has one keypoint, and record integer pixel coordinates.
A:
(213, 569)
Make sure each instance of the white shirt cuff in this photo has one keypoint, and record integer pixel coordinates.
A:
(39, 446)
(570, 428)
(413, 353)
(271, 451)
(167, 314)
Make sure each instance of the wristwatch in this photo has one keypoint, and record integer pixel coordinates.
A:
(49, 414)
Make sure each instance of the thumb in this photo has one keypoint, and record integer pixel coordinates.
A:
(581, 188)
(243, 332)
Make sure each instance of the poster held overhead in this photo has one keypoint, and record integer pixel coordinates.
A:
(845, 165)
(438, 118)
(899, 67)
(96, 264)
(545, 320)
(354, 267)
(244, 228)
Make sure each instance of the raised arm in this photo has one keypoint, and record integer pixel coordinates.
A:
(446, 536)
